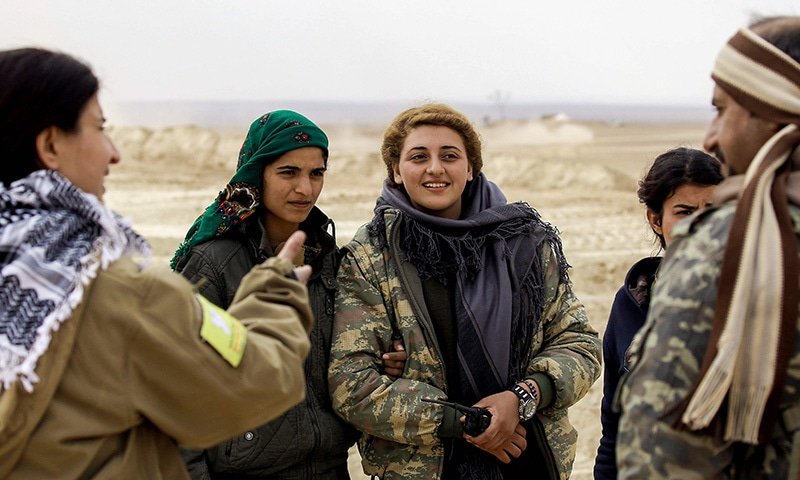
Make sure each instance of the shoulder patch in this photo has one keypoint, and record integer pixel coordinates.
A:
(223, 332)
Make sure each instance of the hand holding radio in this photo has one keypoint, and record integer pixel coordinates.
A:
(476, 420)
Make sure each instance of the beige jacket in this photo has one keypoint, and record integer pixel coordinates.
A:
(128, 377)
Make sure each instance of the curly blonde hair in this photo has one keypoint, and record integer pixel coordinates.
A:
(436, 114)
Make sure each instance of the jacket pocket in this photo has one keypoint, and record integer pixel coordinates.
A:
(268, 448)
(382, 457)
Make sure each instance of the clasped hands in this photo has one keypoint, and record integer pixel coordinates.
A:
(505, 437)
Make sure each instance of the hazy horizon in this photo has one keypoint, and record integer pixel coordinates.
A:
(239, 113)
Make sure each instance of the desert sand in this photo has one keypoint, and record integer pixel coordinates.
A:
(582, 177)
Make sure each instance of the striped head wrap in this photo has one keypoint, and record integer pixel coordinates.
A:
(758, 286)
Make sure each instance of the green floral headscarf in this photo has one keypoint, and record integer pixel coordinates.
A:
(269, 137)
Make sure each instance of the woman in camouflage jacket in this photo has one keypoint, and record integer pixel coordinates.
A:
(478, 290)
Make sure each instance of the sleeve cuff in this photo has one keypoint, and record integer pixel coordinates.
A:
(546, 389)
(451, 427)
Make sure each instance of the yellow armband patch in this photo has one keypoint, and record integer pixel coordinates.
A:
(223, 332)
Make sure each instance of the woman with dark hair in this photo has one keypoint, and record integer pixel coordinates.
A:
(679, 183)
(33, 102)
(478, 290)
(273, 193)
(105, 364)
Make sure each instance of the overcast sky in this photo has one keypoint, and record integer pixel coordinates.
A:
(615, 51)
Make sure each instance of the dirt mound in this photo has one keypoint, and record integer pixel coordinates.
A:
(541, 174)
(535, 132)
(186, 144)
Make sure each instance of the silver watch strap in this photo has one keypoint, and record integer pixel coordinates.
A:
(534, 391)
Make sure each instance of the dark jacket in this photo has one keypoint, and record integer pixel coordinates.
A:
(628, 314)
(310, 441)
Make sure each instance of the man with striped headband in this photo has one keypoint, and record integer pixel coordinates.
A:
(714, 383)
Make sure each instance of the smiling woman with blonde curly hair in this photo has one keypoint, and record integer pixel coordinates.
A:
(478, 290)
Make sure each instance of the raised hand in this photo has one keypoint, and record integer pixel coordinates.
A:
(290, 250)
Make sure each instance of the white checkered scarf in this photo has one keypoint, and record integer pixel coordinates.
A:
(53, 240)
(752, 337)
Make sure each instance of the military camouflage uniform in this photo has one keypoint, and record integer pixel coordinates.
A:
(379, 292)
(667, 355)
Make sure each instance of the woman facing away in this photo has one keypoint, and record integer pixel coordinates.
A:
(679, 183)
(105, 364)
(478, 290)
(279, 176)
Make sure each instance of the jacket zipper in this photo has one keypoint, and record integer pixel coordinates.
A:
(315, 426)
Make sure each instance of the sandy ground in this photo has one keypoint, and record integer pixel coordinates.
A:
(582, 177)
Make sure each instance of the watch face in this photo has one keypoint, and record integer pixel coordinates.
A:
(528, 410)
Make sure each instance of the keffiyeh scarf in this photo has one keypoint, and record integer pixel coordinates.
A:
(758, 286)
(53, 240)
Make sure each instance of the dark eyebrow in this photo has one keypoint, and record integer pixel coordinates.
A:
(297, 169)
(685, 205)
(451, 147)
(444, 147)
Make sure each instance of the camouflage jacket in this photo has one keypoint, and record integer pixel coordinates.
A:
(666, 357)
(378, 292)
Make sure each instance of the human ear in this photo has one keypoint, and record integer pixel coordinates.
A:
(775, 127)
(397, 178)
(469, 172)
(654, 219)
(768, 126)
(46, 147)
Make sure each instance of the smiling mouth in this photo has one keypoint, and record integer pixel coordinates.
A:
(435, 184)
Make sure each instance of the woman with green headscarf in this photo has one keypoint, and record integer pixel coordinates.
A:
(279, 176)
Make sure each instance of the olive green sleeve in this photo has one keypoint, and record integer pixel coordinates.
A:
(186, 388)
(451, 426)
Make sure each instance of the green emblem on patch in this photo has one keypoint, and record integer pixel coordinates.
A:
(223, 332)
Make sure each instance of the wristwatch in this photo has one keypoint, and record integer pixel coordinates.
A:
(527, 402)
